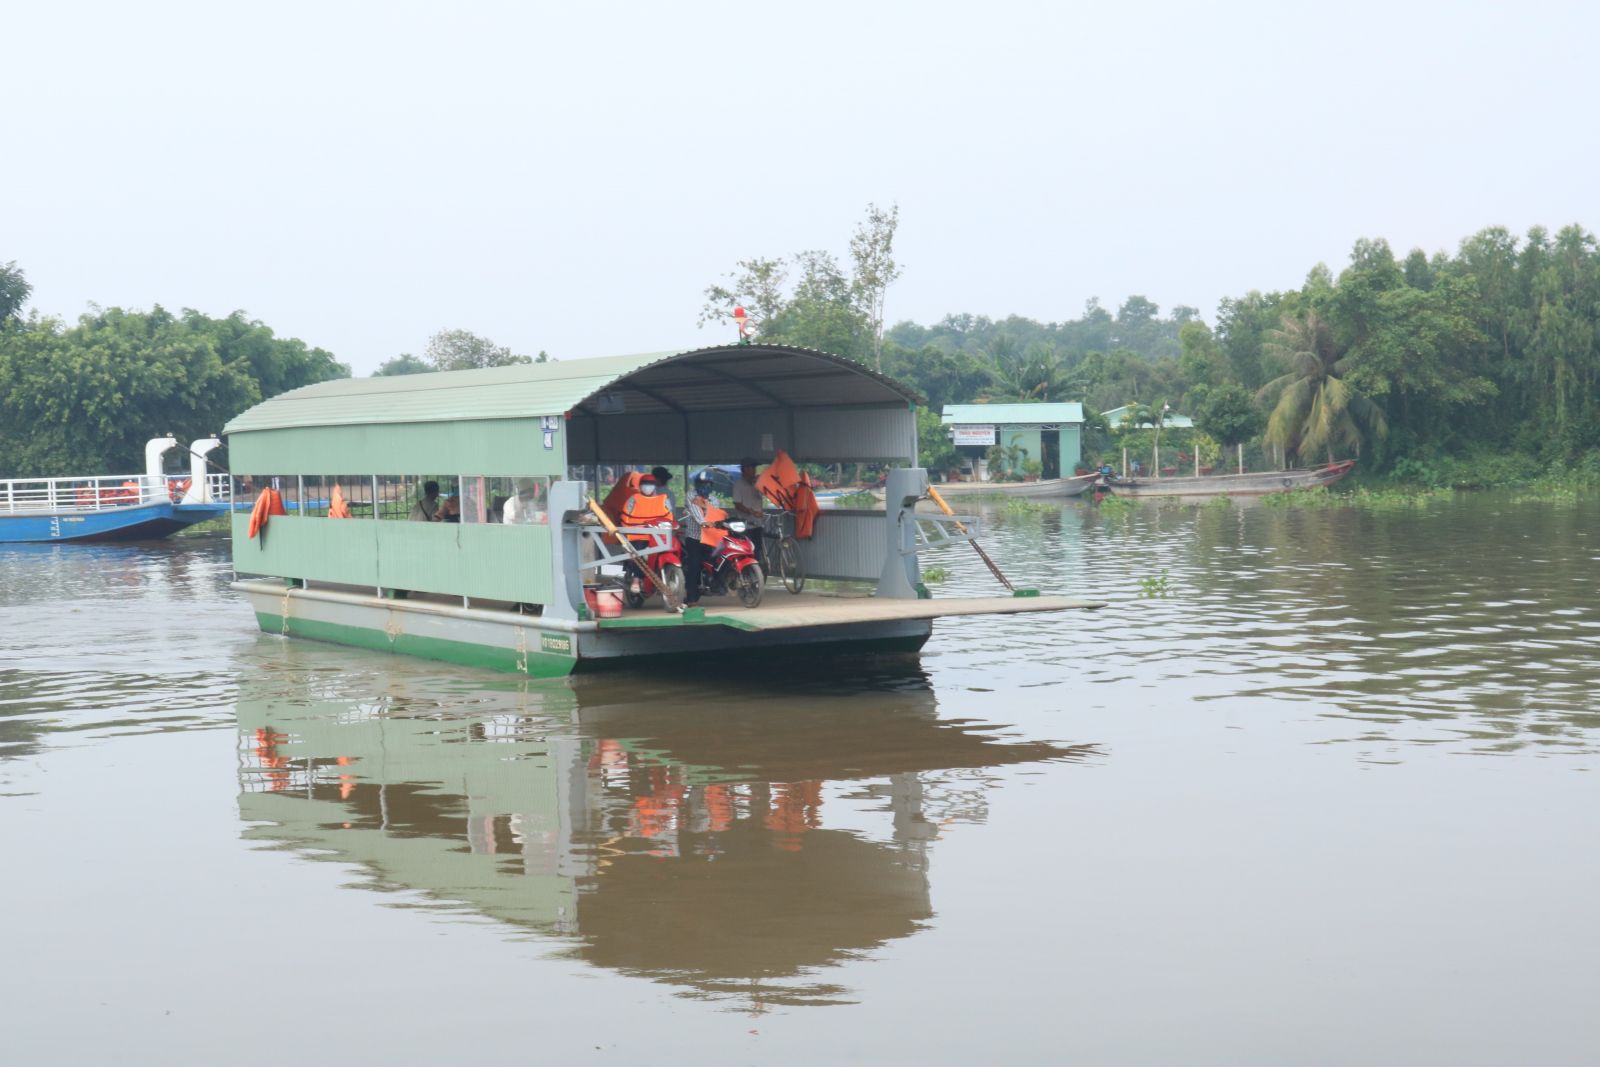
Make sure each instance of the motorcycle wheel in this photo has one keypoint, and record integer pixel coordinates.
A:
(672, 579)
(632, 599)
(751, 585)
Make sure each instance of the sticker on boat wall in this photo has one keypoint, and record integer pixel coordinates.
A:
(560, 644)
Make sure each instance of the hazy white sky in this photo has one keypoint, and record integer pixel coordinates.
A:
(570, 177)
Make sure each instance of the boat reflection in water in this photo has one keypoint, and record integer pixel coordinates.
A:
(734, 838)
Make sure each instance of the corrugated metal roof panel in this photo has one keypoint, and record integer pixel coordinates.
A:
(1012, 414)
(701, 380)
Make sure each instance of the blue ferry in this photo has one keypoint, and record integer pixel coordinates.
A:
(132, 507)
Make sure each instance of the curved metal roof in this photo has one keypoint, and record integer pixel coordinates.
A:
(724, 378)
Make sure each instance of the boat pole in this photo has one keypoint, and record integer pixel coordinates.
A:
(938, 499)
(605, 520)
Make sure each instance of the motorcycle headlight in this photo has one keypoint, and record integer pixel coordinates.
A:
(736, 527)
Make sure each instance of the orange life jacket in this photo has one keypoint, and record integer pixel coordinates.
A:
(788, 487)
(641, 510)
(268, 504)
(712, 535)
(337, 507)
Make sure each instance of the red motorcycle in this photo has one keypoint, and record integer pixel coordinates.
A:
(732, 565)
(661, 570)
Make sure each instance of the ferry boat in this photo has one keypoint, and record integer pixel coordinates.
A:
(117, 507)
(522, 451)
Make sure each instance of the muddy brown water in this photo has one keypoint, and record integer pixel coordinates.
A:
(1329, 799)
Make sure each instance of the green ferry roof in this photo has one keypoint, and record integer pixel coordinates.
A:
(726, 378)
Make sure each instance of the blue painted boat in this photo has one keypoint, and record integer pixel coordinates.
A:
(115, 507)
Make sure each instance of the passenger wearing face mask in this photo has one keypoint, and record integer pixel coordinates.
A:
(646, 507)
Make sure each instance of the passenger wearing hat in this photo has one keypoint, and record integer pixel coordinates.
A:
(662, 477)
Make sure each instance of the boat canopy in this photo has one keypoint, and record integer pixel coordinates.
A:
(704, 405)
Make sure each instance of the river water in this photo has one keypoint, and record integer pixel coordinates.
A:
(1327, 796)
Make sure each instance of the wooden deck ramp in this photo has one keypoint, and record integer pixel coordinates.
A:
(783, 611)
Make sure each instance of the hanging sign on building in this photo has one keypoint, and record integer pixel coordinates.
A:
(972, 435)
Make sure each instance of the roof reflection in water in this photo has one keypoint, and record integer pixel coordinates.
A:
(732, 837)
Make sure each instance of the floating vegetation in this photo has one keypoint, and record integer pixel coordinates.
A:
(934, 574)
(1551, 489)
(1017, 505)
(1218, 503)
(1155, 585)
(1396, 499)
(856, 500)
(1116, 505)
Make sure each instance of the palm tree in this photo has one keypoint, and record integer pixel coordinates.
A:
(1313, 407)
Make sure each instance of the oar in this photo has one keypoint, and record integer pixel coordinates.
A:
(937, 499)
(605, 520)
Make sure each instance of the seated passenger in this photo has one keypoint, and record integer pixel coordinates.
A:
(647, 506)
(450, 511)
(527, 507)
(426, 509)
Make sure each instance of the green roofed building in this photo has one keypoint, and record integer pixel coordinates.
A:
(1049, 433)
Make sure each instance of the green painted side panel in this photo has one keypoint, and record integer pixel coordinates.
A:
(499, 448)
(323, 550)
(1071, 449)
(492, 561)
(534, 664)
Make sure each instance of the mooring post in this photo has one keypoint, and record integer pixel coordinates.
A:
(904, 487)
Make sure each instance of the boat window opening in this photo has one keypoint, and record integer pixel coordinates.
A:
(526, 500)
(398, 494)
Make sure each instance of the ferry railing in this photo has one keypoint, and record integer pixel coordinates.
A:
(937, 531)
(21, 496)
(659, 539)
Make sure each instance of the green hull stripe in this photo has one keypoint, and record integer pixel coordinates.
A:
(533, 663)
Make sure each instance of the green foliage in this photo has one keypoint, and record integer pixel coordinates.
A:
(1227, 413)
(84, 398)
(1218, 503)
(1154, 585)
(934, 450)
(1397, 498)
(1116, 505)
(934, 574)
(14, 290)
(404, 363)
(465, 350)
(824, 309)
(856, 500)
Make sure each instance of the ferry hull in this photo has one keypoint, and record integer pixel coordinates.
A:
(137, 522)
(549, 648)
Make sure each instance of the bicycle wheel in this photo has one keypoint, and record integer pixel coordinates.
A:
(750, 585)
(790, 570)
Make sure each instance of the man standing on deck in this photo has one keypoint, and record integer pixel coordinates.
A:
(694, 551)
(748, 503)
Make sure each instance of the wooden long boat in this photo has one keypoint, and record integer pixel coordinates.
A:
(1050, 487)
(1252, 484)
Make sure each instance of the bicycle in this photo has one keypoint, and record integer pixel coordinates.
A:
(781, 552)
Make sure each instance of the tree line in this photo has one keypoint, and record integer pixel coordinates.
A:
(1494, 348)
(83, 397)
